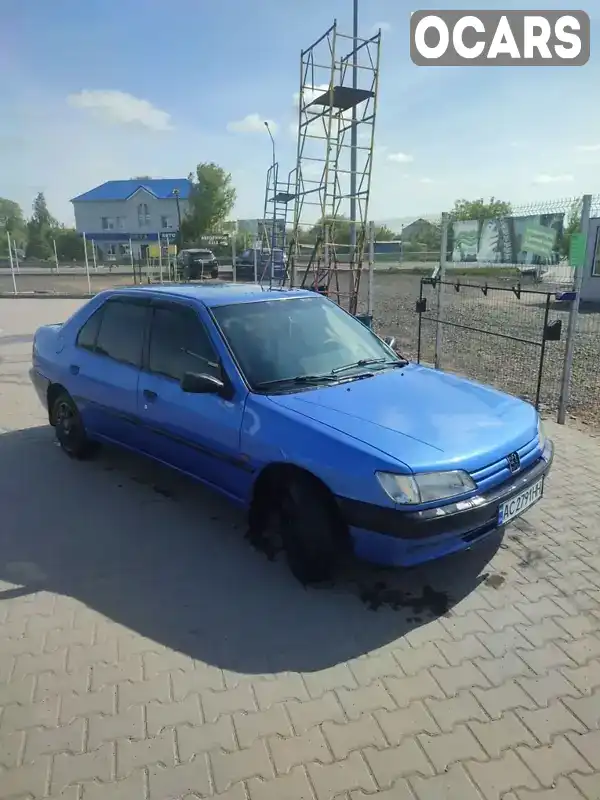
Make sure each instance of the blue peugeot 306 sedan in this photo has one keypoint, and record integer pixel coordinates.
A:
(295, 410)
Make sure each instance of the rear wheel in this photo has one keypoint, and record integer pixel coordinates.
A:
(69, 428)
(307, 529)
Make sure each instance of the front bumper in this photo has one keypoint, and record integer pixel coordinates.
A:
(388, 536)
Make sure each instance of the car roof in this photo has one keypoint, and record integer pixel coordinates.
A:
(217, 293)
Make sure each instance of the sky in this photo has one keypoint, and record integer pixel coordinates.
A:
(100, 90)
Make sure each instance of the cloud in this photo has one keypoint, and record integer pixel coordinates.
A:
(252, 123)
(310, 93)
(426, 180)
(112, 105)
(400, 158)
(385, 27)
(589, 148)
(545, 178)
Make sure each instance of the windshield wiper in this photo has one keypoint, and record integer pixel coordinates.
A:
(298, 380)
(366, 362)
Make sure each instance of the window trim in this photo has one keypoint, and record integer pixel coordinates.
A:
(132, 300)
(171, 305)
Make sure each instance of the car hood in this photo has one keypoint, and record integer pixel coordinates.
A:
(421, 417)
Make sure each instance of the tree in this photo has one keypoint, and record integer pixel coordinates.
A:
(572, 224)
(11, 221)
(210, 202)
(69, 244)
(39, 229)
(385, 234)
(41, 216)
(480, 209)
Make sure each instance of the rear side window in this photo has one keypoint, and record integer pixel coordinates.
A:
(121, 334)
(179, 343)
(86, 338)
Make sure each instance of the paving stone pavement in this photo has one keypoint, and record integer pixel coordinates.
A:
(147, 651)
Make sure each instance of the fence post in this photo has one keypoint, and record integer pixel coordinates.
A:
(234, 251)
(55, 254)
(565, 388)
(440, 293)
(87, 264)
(371, 270)
(12, 263)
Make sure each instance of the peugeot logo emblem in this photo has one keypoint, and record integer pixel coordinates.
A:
(514, 462)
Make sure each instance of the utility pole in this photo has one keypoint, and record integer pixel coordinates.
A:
(179, 235)
(353, 133)
(273, 240)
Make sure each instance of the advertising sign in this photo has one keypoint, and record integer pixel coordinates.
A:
(507, 240)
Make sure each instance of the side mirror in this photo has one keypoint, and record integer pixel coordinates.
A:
(390, 341)
(201, 383)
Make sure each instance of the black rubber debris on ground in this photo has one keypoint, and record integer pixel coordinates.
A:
(495, 581)
(431, 601)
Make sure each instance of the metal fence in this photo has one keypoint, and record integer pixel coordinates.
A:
(499, 335)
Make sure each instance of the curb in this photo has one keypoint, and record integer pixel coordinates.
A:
(46, 296)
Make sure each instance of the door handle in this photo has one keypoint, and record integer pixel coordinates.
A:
(74, 369)
(150, 395)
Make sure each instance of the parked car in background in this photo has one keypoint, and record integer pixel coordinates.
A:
(298, 412)
(196, 263)
(244, 264)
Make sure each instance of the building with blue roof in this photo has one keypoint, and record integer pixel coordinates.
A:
(136, 212)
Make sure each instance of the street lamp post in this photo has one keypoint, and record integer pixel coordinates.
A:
(179, 234)
(274, 170)
(353, 132)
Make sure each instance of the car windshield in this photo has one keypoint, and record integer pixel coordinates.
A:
(275, 341)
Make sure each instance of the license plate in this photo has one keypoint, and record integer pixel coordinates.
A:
(520, 502)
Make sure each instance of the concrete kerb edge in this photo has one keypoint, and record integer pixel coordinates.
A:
(46, 296)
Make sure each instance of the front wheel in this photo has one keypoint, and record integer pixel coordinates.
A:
(307, 530)
(69, 428)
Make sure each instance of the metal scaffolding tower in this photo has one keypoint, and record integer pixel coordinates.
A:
(274, 228)
(330, 183)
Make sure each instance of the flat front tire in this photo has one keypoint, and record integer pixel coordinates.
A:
(307, 530)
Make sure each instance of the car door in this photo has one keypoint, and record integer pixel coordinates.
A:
(196, 433)
(104, 368)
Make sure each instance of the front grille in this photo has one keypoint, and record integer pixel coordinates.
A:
(498, 472)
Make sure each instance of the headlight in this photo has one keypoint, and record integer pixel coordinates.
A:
(541, 434)
(425, 487)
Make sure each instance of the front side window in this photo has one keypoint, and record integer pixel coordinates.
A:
(121, 333)
(165, 223)
(279, 340)
(108, 223)
(179, 343)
